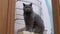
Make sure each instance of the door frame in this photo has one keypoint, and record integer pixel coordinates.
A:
(11, 16)
(3, 16)
(56, 15)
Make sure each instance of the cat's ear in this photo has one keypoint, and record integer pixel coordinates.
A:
(30, 4)
(23, 4)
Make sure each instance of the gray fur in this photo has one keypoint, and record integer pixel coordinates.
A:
(33, 22)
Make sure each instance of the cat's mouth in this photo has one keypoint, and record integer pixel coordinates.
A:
(28, 12)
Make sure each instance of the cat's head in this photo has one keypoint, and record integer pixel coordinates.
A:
(27, 7)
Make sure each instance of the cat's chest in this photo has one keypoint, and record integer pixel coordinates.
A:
(28, 17)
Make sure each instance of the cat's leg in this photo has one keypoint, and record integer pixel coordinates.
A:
(40, 33)
(31, 24)
(35, 28)
(27, 27)
(31, 28)
(41, 30)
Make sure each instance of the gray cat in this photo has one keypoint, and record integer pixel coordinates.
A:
(33, 22)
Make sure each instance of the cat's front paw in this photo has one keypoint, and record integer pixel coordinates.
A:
(30, 30)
